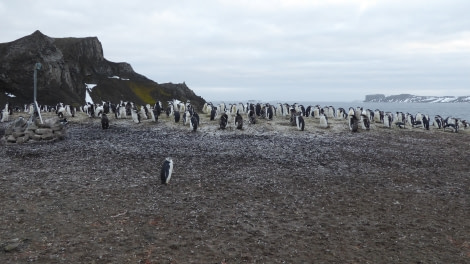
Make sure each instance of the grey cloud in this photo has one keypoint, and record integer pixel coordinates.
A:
(339, 50)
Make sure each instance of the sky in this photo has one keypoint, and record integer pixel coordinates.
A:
(268, 50)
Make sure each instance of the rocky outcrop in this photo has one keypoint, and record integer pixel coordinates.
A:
(22, 131)
(409, 98)
(68, 64)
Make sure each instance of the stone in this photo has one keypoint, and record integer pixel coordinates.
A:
(19, 129)
(11, 139)
(32, 127)
(47, 136)
(50, 122)
(18, 134)
(57, 127)
(29, 133)
(20, 122)
(42, 131)
(12, 245)
(23, 139)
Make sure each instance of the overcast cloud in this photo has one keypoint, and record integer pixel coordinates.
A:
(289, 50)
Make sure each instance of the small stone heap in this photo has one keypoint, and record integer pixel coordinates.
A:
(23, 130)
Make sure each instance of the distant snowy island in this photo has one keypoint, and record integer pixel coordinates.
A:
(409, 98)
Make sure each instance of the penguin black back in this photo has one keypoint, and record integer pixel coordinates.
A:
(166, 171)
(104, 121)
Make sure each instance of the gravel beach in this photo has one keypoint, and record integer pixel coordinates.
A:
(265, 194)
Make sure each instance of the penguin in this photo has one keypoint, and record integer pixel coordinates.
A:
(399, 117)
(193, 123)
(293, 118)
(186, 118)
(365, 122)
(213, 113)
(72, 111)
(269, 112)
(204, 108)
(331, 112)
(104, 121)
(143, 112)
(323, 121)
(400, 124)
(60, 112)
(453, 127)
(64, 121)
(258, 109)
(308, 110)
(387, 120)
(155, 115)
(409, 119)
(135, 116)
(195, 115)
(371, 115)
(378, 116)
(353, 123)
(241, 107)
(251, 117)
(316, 112)
(438, 121)
(118, 111)
(341, 113)
(98, 111)
(419, 118)
(158, 109)
(168, 111)
(223, 121)
(151, 115)
(302, 110)
(6, 113)
(166, 171)
(299, 120)
(238, 121)
(465, 124)
(106, 108)
(177, 116)
(426, 122)
(138, 117)
(229, 116)
(418, 124)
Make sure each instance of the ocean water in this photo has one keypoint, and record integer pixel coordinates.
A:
(457, 110)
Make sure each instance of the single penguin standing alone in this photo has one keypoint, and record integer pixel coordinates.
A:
(167, 169)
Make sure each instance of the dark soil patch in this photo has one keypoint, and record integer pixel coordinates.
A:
(251, 196)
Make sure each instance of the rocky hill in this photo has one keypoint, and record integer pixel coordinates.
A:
(68, 65)
(409, 98)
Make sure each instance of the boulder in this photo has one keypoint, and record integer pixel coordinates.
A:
(42, 131)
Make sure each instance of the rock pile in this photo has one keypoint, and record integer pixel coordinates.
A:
(23, 130)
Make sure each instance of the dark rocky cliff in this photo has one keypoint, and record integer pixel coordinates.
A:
(67, 65)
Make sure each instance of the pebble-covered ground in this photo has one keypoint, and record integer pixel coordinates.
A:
(264, 194)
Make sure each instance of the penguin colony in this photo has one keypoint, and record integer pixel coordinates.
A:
(235, 115)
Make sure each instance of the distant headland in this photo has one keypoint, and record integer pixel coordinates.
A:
(409, 98)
